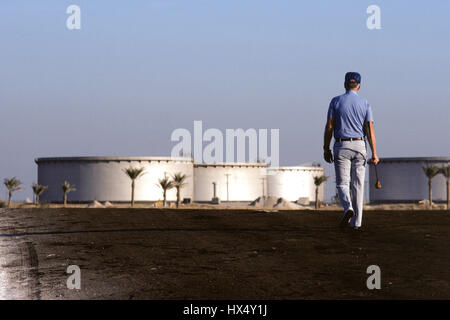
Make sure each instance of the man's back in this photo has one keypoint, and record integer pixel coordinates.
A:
(350, 116)
(349, 112)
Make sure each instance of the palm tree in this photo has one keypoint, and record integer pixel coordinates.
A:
(318, 180)
(430, 172)
(445, 171)
(38, 190)
(12, 185)
(179, 181)
(165, 184)
(67, 187)
(133, 173)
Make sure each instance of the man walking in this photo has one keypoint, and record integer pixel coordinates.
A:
(350, 120)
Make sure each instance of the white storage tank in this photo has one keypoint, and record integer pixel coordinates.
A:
(293, 183)
(237, 182)
(403, 180)
(103, 179)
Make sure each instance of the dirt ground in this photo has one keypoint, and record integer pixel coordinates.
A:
(227, 254)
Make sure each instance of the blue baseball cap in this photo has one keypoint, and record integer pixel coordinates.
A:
(352, 77)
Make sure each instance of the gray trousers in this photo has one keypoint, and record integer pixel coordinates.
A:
(350, 159)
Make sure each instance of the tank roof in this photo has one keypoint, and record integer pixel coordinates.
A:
(231, 164)
(85, 159)
(298, 168)
(416, 159)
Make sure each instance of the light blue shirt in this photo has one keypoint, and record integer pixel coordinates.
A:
(349, 112)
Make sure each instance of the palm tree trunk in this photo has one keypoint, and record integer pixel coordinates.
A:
(37, 199)
(448, 194)
(164, 198)
(65, 198)
(178, 197)
(430, 193)
(317, 198)
(9, 199)
(132, 193)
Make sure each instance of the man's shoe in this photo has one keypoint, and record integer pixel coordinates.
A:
(345, 222)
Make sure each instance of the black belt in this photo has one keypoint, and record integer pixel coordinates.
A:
(349, 139)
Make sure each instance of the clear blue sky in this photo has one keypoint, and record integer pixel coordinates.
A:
(137, 70)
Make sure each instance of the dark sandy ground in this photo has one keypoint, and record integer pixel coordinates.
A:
(226, 254)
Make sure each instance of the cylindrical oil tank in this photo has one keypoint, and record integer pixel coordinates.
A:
(403, 180)
(293, 183)
(104, 179)
(238, 182)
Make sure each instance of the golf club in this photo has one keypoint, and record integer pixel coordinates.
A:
(378, 183)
